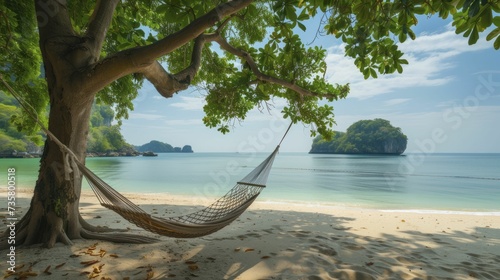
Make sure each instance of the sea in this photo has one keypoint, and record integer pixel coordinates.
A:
(443, 183)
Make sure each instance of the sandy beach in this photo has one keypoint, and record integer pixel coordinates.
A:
(277, 240)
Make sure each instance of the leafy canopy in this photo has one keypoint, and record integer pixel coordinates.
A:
(263, 31)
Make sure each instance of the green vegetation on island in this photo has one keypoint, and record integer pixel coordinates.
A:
(105, 138)
(376, 136)
(160, 147)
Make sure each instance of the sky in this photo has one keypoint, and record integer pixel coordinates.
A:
(447, 100)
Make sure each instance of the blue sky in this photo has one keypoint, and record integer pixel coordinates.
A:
(446, 100)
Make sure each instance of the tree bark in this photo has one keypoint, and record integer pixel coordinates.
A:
(55, 215)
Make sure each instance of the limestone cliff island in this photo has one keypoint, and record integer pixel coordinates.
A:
(160, 147)
(376, 136)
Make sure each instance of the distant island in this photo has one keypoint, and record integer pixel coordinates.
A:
(376, 136)
(160, 147)
(104, 138)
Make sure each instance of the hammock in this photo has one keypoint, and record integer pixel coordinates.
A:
(203, 222)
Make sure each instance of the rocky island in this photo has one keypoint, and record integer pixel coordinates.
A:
(160, 147)
(376, 136)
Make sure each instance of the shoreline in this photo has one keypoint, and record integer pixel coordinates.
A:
(198, 201)
(278, 241)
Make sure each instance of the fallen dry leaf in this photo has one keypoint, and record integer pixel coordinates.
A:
(26, 274)
(193, 267)
(113, 255)
(237, 249)
(46, 271)
(93, 275)
(60, 265)
(249, 250)
(89, 263)
(97, 269)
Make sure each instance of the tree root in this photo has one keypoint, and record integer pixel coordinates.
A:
(118, 237)
(85, 225)
(87, 231)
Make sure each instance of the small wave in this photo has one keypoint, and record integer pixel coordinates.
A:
(389, 173)
(443, 212)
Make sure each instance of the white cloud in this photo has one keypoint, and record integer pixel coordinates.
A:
(184, 122)
(396, 101)
(189, 103)
(142, 116)
(428, 56)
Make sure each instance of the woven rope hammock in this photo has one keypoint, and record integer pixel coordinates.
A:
(208, 220)
(203, 222)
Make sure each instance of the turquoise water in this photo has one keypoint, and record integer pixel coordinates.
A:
(457, 182)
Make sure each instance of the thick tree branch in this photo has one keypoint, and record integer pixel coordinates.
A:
(53, 23)
(138, 59)
(266, 78)
(165, 83)
(99, 23)
(168, 84)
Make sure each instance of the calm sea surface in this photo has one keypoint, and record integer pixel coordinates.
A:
(457, 182)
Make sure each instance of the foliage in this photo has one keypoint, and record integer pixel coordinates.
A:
(376, 136)
(105, 137)
(265, 30)
(11, 139)
(21, 60)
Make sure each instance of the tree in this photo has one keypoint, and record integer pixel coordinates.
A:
(242, 52)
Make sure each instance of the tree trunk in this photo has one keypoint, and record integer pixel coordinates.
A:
(54, 216)
(54, 210)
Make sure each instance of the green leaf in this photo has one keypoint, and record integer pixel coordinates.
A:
(474, 36)
(366, 73)
(486, 18)
(419, 10)
(301, 26)
(496, 21)
(402, 37)
(495, 32)
(496, 44)
(412, 34)
(399, 68)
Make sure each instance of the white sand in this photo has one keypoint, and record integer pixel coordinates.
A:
(280, 241)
